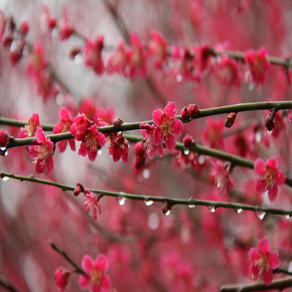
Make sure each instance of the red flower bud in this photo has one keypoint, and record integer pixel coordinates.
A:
(193, 110)
(24, 29)
(61, 278)
(3, 138)
(185, 114)
(118, 122)
(188, 141)
(229, 121)
(270, 120)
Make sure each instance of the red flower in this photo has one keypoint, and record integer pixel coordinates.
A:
(167, 126)
(79, 127)
(95, 279)
(42, 151)
(119, 147)
(66, 28)
(92, 54)
(258, 65)
(117, 61)
(61, 278)
(62, 127)
(270, 179)
(263, 262)
(158, 49)
(29, 130)
(92, 204)
(37, 62)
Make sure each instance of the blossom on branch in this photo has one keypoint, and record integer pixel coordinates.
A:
(158, 49)
(270, 178)
(66, 28)
(92, 204)
(263, 261)
(119, 147)
(42, 150)
(30, 129)
(95, 278)
(61, 279)
(167, 126)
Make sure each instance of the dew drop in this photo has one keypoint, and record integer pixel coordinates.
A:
(192, 206)
(149, 202)
(239, 211)
(153, 221)
(146, 173)
(25, 51)
(186, 151)
(167, 213)
(258, 137)
(77, 59)
(201, 160)
(99, 152)
(13, 46)
(212, 209)
(60, 99)
(287, 216)
(260, 215)
(5, 178)
(121, 200)
(6, 153)
(3, 148)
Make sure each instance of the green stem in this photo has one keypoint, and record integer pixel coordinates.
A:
(171, 202)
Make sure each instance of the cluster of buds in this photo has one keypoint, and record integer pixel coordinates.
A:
(189, 112)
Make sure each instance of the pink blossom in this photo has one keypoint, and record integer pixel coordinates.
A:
(42, 151)
(45, 87)
(119, 147)
(66, 28)
(30, 129)
(263, 261)
(92, 54)
(221, 177)
(92, 204)
(117, 61)
(79, 127)
(92, 142)
(37, 62)
(201, 60)
(167, 126)
(258, 65)
(158, 49)
(270, 178)
(62, 127)
(95, 278)
(147, 132)
(212, 134)
(3, 138)
(61, 279)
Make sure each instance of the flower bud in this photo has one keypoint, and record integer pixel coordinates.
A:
(7, 41)
(229, 121)
(193, 111)
(118, 122)
(270, 120)
(185, 114)
(188, 141)
(78, 190)
(24, 29)
(61, 278)
(3, 138)
(166, 207)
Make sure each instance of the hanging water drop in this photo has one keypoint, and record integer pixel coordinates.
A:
(149, 202)
(3, 148)
(99, 152)
(167, 213)
(260, 215)
(5, 178)
(6, 153)
(178, 78)
(186, 151)
(192, 206)
(287, 216)
(77, 59)
(212, 209)
(239, 211)
(121, 200)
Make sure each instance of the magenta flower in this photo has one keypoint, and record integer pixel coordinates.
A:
(167, 126)
(66, 28)
(119, 148)
(95, 278)
(30, 129)
(270, 179)
(42, 151)
(92, 204)
(258, 65)
(62, 127)
(117, 61)
(158, 49)
(263, 262)
(61, 279)
(79, 127)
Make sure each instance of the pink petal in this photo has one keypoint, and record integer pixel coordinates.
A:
(72, 144)
(62, 145)
(125, 155)
(267, 276)
(170, 110)
(105, 282)
(157, 136)
(169, 141)
(64, 115)
(58, 128)
(84, 282)
(271, 162)
(160, 151)
(264, 246)
(92, 155)
(40, 135)
(280, 178)
(177, 128)
(157, 117)
(254, 271)
(260, 186)
(95, 288)
(273, 192)
(260, 167)
(253, 255)
(87, 264)
(82, 150)
(151, 152)
(50, 165)
(274, 260)
(101, 139)
(101, 263)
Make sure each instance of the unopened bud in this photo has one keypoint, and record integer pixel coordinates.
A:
(188, 141)
(3, 138)
(78, 190)
(270, 120)
(61, 279)
(166, 207)
(118, 122)
(185, 114)
(24, 29)
(229, 121)
(7, 41)
(193, 111)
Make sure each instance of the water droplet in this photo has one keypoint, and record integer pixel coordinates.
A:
(149, 202)
(258, 136)
(287, 216)
(77, 59)
(3, 148)
(6, 153)
(261, 215)
(251, 86)
(212, 209)
(25, 50)
(146, 173)
(186, 151)
(121, 200)
(13, 46)
(178, 78)
(99, 152)
(192, 206)
(239, 211)
(167, 213)
(5, 178)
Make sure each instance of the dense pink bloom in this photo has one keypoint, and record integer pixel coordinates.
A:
(158, 49)
(61, 279)
(258, 65)
(66, 28)
(92, 54)
(263, 261)
(30, 129)
(167, 126)
(147, 132)
(119, 147)
(79, 127)
(117, 61)
(270, 178)
(62, 127)
(42, 151)
(221, 177)
(95, 278)
(92, 204)
(92, 142)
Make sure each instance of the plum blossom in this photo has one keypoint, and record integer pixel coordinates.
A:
(167, 126)
(119, 147)
(92, 204)
(270, 178)
(263, 261)
(95, 278)
(258, 65)
(30, 129)
(61, 279)
(62, 127)
(79, 127)
(66, 28)
(158, 49)
(117, 61)
(42, 150)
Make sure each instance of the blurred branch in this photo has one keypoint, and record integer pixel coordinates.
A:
(7, 285)
(170, 202)
(67, 258)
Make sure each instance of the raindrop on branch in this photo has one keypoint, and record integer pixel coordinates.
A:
(149, 202)
(261, 215)
(212, 209)
(5, 178)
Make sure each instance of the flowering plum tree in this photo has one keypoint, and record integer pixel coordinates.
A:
(183, 110)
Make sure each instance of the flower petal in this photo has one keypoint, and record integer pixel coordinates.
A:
(157, 117)
(87, 264)
(101, 263)
(267, 276)
(260, 167)
(260, 186)
(157, 136)
(274, 260)
(50, 165)
(177, 128)
(170, 110)
(273, 192)
(84, 282)
(264, 246)
(169, 141)
(271, 162)
(280, 178)
(253, 255)
(105, 282)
